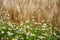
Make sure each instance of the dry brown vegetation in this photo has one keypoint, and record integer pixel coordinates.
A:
(21, 10)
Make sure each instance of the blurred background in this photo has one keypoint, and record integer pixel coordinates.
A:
(22, 10)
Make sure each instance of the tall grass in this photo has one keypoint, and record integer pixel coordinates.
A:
(22, 10)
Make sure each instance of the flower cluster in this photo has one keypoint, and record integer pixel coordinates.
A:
(29, 30)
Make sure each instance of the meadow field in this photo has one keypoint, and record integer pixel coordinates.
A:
(29, 19)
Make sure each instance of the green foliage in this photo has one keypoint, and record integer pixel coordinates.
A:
(28, 30)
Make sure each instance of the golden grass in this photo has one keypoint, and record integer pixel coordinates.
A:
(22, 10)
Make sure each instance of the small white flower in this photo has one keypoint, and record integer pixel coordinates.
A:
(9, 33)
(38, 39)
(20, 29)
(43, 29)
(7, 18)
(2, 32)
(33, 20)
(44, 24)
(58, 36)
(8, 14)
(28, 34)
(43, 21)
(41, 37)
(54, 33)
(35, 31)
(17, 37)
(27, 21)
(7, 38)
(12, 26)
(3, 27)
(24, 31)
(32, 34)
(28, 26)
(27, 37)
(17, 27)
(9, 28)
(37, 23)
(24, 26)
(36, 28)
(9, 23)
(45, 34)
(21, 23)
(14, 39)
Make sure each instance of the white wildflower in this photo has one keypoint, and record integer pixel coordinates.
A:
(17, 27)
(3, 27)
(36, 28)
(43, 29)
(45, 34)
(37, 23)
(28, 26)
(21, 23)
(41, 37)
(54, 33)
(58, 36)
(2, 32)
(7, 18)
(38, 39)
(8, 14)
(43, 21)
(35, 31)
(33, 20)
(9, 33)
(20, 30)
(27, 37)
(14, 39)
(24, 31)
(27, 21)
(32, 34)
(12, 26)
(9, 29)
(25, 26)
(28, 34)
(44, 25)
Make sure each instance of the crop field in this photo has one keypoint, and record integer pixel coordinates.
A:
(29, 19)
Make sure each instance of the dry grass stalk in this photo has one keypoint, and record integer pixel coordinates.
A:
(21, 10)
